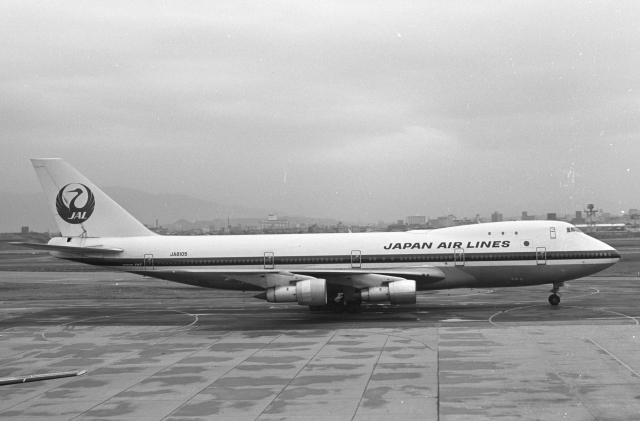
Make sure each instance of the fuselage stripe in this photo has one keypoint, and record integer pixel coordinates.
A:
(364, 259)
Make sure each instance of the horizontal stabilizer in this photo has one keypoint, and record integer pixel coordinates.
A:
(68, 249)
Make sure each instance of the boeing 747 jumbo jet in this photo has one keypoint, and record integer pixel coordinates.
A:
(334, 272)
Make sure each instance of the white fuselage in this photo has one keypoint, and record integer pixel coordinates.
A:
(499, 254)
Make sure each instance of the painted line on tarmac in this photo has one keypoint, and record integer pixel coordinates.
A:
(616, 358)
(626, 316)
(44, 333)
(490, 320)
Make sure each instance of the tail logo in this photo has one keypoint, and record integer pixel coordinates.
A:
(79, 208)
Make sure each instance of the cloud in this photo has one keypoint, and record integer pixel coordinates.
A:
(428, 106)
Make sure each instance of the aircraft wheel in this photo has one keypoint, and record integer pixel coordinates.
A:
(554, 300)
(338, 308)
(352, 307)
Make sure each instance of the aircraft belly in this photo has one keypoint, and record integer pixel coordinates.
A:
(516, 276)
(455, 278)
(201, 279)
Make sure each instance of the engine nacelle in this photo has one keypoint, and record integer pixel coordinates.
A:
(284, 294)
(402, 292)
(309, 292)
(398, 292)
(375, 294)
(312, 292)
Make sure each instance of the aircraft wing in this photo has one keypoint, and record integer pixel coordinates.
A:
(266, 278)
(69, 249)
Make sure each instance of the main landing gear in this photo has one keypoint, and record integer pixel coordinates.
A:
(554, 299)
(338, 305)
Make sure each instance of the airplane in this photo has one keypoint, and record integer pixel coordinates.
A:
(327, 272)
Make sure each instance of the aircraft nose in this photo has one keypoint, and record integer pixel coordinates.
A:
(609, 251)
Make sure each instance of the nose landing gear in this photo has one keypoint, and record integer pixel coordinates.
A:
(554, 299)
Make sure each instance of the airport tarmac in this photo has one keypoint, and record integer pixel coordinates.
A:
(160, 351)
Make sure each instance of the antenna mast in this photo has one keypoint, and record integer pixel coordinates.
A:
(591, 217)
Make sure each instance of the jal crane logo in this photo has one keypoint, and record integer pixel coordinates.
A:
(79, 208)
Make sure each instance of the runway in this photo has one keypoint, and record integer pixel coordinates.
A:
(161, 351)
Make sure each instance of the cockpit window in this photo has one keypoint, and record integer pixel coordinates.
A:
(573, 229)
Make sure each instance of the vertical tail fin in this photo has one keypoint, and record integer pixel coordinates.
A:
(81, 209)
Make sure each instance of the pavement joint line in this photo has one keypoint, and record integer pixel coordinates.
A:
(555, 370)
(171, 365)
(132, 353)
(227, 372)
(616, 358)
(609, 311)
(301, 368)
(364, 391)
(438, 371)
(548, 328)
(52, 361)
(120, 359)
(68, 380)
(396, 336)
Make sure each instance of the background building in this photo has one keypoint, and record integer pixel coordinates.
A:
(527, 217)
(25, 237)
(416, 220)
(273, 223)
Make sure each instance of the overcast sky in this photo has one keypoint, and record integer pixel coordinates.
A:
(355, 110)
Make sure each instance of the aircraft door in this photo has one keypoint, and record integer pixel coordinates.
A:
(356, 259)
(541, 255)
(148, 262)
(458, 257)
(269, 260)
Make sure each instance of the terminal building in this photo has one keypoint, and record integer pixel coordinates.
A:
(273, 223)
(527, 217)
(416, 220)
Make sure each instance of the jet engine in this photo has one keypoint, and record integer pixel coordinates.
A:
(398, 292)
(309, 292)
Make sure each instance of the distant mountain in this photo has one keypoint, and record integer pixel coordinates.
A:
(185, 225)
(168, 208)
(32, 210)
